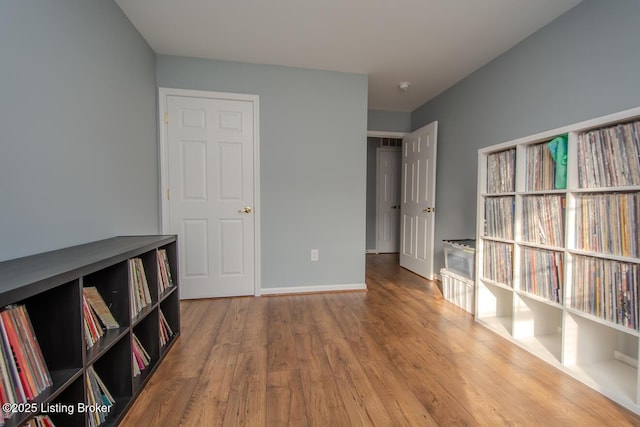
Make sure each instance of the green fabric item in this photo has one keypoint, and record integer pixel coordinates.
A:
(558, 149)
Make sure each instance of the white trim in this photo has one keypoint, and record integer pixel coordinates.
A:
(314, 289)
(163, 93)
(372, 251)
(385, 134)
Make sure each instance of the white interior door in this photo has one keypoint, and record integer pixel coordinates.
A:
(388, 200)
(418, 209)
(210, 162)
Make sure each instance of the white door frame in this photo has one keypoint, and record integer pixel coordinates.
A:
(163, 93)
(381, 134)
(386, 134)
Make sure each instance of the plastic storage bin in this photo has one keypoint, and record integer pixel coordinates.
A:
(460, 256)
(458, 290)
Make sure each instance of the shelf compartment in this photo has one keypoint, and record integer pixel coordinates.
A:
(542, 171)
(62, 349)
(147, 333)
(150, 262)
(111, 336)
(499, 214)
(608, 156)
(62, 380)
(542, 273)
(543, 219)
(143, 285)
(501, 167)
(170, 307)
(498, 262)
(608, 223)
(601, 357)
(114, 369)
(607, 289)
(538, 326)
(68, 401)
(172, 256)
(112, 284)
(495, 307)
(142, 315)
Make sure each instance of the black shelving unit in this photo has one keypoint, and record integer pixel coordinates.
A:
(50, 286)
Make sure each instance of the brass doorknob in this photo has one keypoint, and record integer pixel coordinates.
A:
(245, 210)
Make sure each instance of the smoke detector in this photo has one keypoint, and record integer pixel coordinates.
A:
(403, 86)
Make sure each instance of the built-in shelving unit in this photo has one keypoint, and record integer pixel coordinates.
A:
(50, 286)
(558, 249)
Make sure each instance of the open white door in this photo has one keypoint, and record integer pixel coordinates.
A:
(209, 169)
(418, 212)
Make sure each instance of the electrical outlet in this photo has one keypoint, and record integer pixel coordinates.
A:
(314, 254)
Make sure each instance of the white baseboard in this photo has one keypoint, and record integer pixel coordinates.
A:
(371, 251)
(313, 289)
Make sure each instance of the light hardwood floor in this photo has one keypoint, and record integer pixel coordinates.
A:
(396, 355)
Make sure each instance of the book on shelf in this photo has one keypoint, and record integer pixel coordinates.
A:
(608, 223)
(23, 370)
(499, 214)
(140, 296)
(546, 165)
(501, 171)
(18, 350)
(92, 329)
(542, 273)
(141, 358)
(97, 394)
(165, 330)
(164, 269)
(609, 157)
(607, 289)
(543, 219)
(498, 262)
(40, 421)
(540, 168)
(100, 307)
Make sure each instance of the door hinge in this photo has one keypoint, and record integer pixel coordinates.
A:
(168, 194)
(166, 117)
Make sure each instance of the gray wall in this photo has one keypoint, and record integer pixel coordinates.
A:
(583, 65)
(389, 121)
(78, 157)
(313, 164)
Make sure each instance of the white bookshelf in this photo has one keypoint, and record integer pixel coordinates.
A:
(548, 305)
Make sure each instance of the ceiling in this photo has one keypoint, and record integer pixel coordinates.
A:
(430, 43)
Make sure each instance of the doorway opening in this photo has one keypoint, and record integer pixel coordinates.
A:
(377, 225)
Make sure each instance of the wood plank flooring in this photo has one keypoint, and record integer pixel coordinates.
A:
(396, 355)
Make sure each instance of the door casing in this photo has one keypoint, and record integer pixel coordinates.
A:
(164, 195)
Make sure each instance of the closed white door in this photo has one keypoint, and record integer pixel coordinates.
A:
(210, 160)
(388, 200)
(418, 210)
